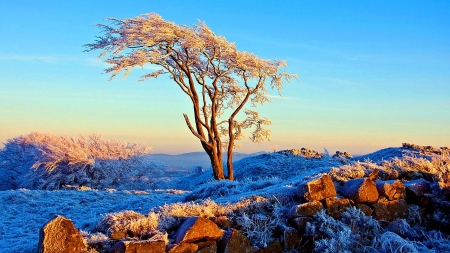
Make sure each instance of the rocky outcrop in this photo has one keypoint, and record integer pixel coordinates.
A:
(60, 235)
(317, 189)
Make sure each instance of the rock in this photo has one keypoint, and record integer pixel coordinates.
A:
(361, 190)
(417, 188)
(417, 192)
(305, 209)
(272, 248)
(183, 248)
(367, 210)
(196, 229)
(139, 247)
(391, 210)
(317, 189)
(299, 223)
(392, 189)
(60, 235)
(291, 238)
(223, 222)
(336, 206)
(117, 235)
(207, 247)
(234, 242)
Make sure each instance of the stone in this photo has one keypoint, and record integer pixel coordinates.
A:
(417, 188)
(183, 248)
(207, 247)
(234, 242)
(361, 190)
(60, 235)
(317, 189)
(391, 189)
(390, 210)
(139, 247)
(336, 206)
(223, 222)
(367, 210)
(291, 238)
(272, 248)
(417, 192)
(196, 229)
(305, 209)
(117, 235)
(299, 223)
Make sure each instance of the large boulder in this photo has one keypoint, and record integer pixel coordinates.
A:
(361, 190)
(139, 247)
(317, 189)
(60, 235)
(235, 242)
(198, 228)
(305, 209)
(390, 210)
(391, 189)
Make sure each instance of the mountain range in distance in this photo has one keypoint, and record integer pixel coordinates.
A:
(188, 161)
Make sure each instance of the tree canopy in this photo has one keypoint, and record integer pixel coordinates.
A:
(218, 79)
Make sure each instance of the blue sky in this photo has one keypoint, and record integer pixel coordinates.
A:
(373, 74)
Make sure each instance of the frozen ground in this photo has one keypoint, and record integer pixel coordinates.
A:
(23, 212)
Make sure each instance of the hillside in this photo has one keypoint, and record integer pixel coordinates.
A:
(266, 184)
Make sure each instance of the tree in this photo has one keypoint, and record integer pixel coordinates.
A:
(216, 77)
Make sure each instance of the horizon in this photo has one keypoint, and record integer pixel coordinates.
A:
(372, 75)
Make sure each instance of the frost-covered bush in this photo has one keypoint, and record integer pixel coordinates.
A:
(363, 227)
(258, 228)
(43, 161)
(330, 235)
(389, 242)
(128, 222)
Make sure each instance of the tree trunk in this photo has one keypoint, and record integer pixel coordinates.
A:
(230, 163)
(216, 165)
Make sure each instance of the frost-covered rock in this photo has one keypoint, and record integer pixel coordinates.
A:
(198, 228)
(361, 190)
(392, 189)
(139, 246)
(60, 235)
(305, 209)
(391, 210)
(183, 248)
(317, 189)
(336, 206)
(234, 241)
(291, 238)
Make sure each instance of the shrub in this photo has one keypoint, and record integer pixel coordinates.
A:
(128, 221)
(43, 161)
(330, 235)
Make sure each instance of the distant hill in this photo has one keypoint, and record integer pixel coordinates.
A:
(187, 161)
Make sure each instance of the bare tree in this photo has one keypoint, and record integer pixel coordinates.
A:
(217, 77)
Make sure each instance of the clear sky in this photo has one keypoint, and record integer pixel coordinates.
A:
(373, 74)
